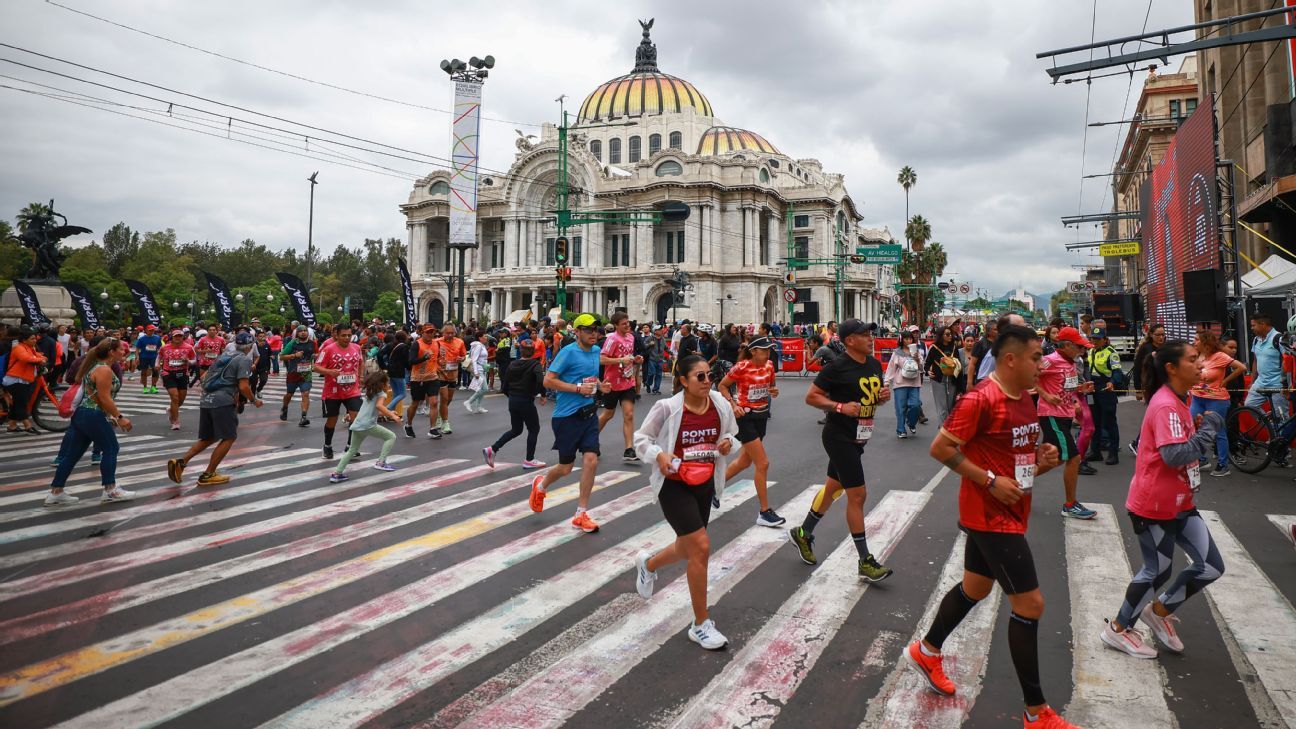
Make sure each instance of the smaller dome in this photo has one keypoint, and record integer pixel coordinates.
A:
(724, 140)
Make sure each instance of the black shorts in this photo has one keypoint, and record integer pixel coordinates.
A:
(148, 363)
(686, 508)
(218, 423)
(448, 384)
(1058, 432)
(575, 433)
(424, 389)
(844, 464)
(333, 407)
(752, 427)
(612, 400)
(175, 380)
(1005, 558)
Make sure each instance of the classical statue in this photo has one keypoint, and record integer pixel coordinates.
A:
(646, 53)
(524, 142)
(42, 235)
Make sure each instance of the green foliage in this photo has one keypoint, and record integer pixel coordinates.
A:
(32, 212)
(120, 245)
(389, 306)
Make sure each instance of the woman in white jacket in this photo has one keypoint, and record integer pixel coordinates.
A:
(689, 437)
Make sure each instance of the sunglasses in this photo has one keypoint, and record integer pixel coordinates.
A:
(702, 376)
(587, 329)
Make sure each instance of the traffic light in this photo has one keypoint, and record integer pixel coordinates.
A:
(857, 259)
(560, 250)
(563, 273)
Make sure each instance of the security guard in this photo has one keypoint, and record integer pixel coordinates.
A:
(1108, 377)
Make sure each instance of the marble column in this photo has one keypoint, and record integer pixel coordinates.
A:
(535, 303)
(693, 237)
(704, 216)
(418, 249)
(594, 246)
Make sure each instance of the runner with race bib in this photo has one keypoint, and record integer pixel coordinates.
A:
(340, 361)
(176, 359)
(753, 378)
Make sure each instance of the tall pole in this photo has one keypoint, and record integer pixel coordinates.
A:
(562, 193)
(791, 245)
(310, 232)
(460, 306)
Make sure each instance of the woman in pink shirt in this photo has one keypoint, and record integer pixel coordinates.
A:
(1161, 505)
(1219, 369)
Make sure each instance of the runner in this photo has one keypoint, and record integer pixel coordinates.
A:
(573, 375)
(688, 436)
(226, 379)
(276, 347)
(209, 346)
(523, 381)
(754, 377)
(452, 355)
(365, 425)
(146, 348)
(479, 361)
(424, 357)
(1057, 406)
(297, 354)
(993, 430)
(619, 346)
(850, 390)
(341, 363)
(261, 365)
(1161, 504)
(177, 359)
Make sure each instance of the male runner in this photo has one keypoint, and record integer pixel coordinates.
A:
(147, 347)
(619, 345)
(177, 358)
(990, 439)
(209, 346)
(297, 354)
(574, 376)
(452, 354)
(218, 412)
(849, 389)
(340, 362)
(424, 363)
(1058, 384)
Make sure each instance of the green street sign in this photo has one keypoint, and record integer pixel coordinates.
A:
(884, 254)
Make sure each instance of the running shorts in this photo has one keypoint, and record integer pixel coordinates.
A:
(686, 508)
(175, 380)
(148, 363)
(423, 389)
(844, 464)
(333, 407)
(448, 384)
(219, 423)
(1058, 432)
(575, 433)
(752, 427)
(296, 382)
(1004, 557)
(612, 400)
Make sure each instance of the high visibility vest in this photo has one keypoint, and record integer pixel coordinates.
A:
(1100, 361)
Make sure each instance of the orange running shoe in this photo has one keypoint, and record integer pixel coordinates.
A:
(537, 494)
(584, 523)
(930, 667)
(1047, 719)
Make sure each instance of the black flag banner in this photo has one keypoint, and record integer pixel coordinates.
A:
(84, 304)
(407, 292)
(147, 305)
(300, 297)
(30, 304)
(221, 295)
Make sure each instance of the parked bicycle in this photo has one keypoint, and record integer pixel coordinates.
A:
(43, 406)
(1257, 438)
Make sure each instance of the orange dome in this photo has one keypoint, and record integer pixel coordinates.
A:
(723, 140)
(643, 94)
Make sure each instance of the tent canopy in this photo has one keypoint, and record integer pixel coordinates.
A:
(1281, 279)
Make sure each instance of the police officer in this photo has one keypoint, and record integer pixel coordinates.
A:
(1108, 377)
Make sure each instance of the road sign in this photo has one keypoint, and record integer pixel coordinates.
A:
(883, 254)
(789, 295)
(965, 288)
(1081, 287)
(895, 298)
(789, 279)
(1115, 250)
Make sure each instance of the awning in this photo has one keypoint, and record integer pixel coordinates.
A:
(1272, 267)
(1259, 206)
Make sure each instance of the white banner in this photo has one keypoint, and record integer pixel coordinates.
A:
(463, 166)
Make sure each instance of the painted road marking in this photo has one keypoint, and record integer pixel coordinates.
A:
(85, 471)
(1111, 689)
(74, 665)
(754, 686)
(155, 451)
(1284, 523)
(905, 700)
(201, 686)
(37, 447)
(1258, 625)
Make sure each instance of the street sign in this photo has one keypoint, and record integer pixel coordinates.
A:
(1127, 248)
(790, 296)
(965, 289)
(895, 298)
(789, 279)
(1081, 287)
(883, 254)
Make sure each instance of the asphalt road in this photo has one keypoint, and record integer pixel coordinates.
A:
(432, 596)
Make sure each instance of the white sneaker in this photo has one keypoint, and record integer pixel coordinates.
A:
(1162, 628)
(117, 494)
(645, 581)
(1129, 641)
(707, 636)
(62, 498)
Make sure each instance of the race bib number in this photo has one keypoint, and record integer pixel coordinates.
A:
(1024, 470)
(863, 430)
(176, 363)
(1071, 383)
(700, 453)
(756, 394)
(1194, 477)
(150, 348)
(346, 379)
(451, 366)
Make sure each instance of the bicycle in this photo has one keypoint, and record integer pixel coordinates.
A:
(1255, 438)
(43, 406)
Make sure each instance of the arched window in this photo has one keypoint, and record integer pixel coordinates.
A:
(764, 175)
(614, 151)
(654, 144)
(440, 187)
(774, 163)
(636, 149)
(670, 168)
(596, 148)
(676, 140)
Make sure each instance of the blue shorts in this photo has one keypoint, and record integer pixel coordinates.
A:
(295, 382)
(575, 433)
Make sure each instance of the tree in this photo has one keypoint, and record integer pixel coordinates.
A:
(907, 178)
(33, 212)
(14, 258)
(389, 307)
(120, 244)
(918, 231)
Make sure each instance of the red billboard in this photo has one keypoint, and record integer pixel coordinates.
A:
(1179, 214)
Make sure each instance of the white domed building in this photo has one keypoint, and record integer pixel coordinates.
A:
(640, 141)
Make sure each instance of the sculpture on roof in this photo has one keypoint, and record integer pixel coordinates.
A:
(646, 53)
(525, 142)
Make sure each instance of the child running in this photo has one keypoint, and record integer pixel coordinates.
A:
(365, 424)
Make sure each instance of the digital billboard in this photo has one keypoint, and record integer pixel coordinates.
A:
(1179, 208)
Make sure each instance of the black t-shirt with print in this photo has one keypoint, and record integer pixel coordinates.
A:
(846, 380)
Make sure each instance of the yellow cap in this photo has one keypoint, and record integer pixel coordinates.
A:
(584, 320)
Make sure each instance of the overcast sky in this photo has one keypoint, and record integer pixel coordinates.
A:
(952, 89)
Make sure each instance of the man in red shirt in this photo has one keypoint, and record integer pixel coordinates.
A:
(341, 363)
(991, 439)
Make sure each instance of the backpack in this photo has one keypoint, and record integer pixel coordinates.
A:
(70, 400)
(215, 379)
(909, 368)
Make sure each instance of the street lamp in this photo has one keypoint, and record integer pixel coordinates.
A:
(464, 146)
(310, 228)
(451, 280)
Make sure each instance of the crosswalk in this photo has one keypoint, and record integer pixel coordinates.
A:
(433, 596)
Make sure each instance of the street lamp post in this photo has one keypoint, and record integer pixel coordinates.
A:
(464, 143)
(452, 281)
(310, 228)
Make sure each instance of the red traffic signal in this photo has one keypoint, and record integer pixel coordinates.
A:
(563, 273)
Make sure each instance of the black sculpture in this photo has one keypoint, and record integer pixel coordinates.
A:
(43, 236)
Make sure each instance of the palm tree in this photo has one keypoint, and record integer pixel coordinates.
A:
(907, 179)
(918, 232)
(31, 213)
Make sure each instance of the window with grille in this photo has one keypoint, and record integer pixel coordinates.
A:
(636, 149)
(614, 151)
(654, 144)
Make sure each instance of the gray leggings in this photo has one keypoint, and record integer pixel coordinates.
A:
(1157, 540)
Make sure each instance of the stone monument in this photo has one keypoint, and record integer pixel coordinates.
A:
(43, 235)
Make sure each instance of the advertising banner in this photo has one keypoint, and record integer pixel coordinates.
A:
(148, 307)
(299, 296)
(84, 304)
(407, 293)
(793, 358)
(463, 164)
(30, 304)
(220, 294)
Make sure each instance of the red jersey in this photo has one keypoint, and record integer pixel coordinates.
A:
(753, 383)
(1157, 490)
(176, 359)
(699, 435)
(209, 348)
(998, 433)
(348, 362)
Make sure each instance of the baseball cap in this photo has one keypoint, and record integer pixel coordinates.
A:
(177, 333)
(584, 320)
(150, 327)
(760, 343)
(429, 328)
(1098, 333)
(243, 339)
(855, 326)
(1073, 335)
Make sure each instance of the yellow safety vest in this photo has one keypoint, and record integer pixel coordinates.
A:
(1099, 360)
